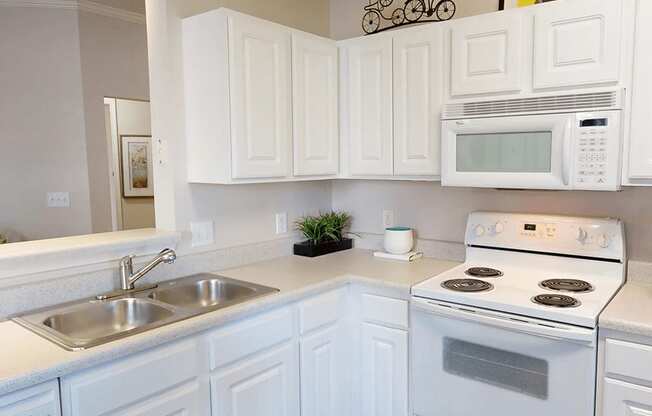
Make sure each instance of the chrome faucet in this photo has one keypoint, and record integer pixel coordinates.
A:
(127, 275)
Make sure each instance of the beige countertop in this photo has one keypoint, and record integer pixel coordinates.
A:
(27, 359)
(630, 311)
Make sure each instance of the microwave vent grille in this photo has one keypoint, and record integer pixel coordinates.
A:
(550, 104)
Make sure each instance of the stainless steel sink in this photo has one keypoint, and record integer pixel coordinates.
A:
(91, 322)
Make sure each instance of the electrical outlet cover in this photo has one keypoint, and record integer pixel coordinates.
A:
(281, 223)
(388, 218)
(202, 233)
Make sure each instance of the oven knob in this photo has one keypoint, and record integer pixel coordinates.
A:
(498, 228)
(603, 241)
(582, 235)
(478, 230)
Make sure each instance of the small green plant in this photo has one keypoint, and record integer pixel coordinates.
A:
(324, 227)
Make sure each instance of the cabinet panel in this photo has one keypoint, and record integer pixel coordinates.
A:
(577, 43)
(265, 384)
(315, 102)
(628, 359)
(640, 140)
(323, 378)
(370, 106)
(260, 59)
(624, 399)
(417, 102)
(39, 400)
(384, 371)
(486, 54)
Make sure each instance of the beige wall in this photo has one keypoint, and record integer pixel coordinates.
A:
(41, 124)
(346, 15)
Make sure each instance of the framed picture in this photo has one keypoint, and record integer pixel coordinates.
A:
(511, 4)
(137, 166)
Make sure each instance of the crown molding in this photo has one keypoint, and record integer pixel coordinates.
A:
(79, 5)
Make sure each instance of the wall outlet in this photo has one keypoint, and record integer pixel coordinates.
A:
(388, 218)
(59, 199)
(281, 223)
(202, 233)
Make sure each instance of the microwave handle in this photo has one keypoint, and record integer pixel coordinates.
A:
(567, 150)
(571, 334)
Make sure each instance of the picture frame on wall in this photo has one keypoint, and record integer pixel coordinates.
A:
(137, 166)
(512, 4)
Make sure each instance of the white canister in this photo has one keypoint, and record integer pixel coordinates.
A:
(399, 240)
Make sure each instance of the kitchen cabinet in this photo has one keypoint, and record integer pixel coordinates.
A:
(638, 166)
(315, 100)
(384, 371)
(39, 400)
(417, 88)
(577, 43)
(239, 87)
(487, 54)
(172, 379)
(625, 399)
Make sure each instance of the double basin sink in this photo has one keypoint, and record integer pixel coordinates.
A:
(87, 323)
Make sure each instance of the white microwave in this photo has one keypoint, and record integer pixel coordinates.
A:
(566, 151)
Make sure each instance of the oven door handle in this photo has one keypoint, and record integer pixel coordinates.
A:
(532, 327)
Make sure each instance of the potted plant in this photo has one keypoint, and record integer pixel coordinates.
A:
(324, 234)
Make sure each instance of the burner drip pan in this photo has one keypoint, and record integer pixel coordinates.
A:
(567, 285)
(556, 301)
(483, 272)
(467, 285)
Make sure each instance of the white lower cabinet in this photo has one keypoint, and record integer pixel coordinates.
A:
(39, 400)
(625, 399)
(170, 380)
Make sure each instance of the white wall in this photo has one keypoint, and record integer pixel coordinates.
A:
(241, 214)
(346, 15)
(41, 124)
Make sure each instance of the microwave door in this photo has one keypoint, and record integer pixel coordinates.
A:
(516, 152)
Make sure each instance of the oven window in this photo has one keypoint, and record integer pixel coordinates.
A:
(520, 152)
(500, 368)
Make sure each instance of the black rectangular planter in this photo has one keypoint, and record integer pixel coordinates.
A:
(307, 249)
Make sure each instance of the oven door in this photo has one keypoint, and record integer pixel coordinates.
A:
(468, 361)
(528, 152)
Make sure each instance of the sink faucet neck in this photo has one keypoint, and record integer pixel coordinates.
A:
(127, 275)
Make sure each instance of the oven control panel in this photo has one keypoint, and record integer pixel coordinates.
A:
(597, 150)
(578, 236)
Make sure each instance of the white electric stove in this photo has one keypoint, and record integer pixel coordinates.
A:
(513, 330)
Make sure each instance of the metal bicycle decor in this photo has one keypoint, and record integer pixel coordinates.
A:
(411, 11)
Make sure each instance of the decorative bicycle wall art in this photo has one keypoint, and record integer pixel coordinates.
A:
(407, 12)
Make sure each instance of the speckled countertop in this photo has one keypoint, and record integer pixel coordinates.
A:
(630, 311)
(27, 359)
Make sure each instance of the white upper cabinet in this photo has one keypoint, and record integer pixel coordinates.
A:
(418, 88)
(315, 100)
(486, 54)
(639, 153)
(577, 43)
(260, 59)
(369, 96)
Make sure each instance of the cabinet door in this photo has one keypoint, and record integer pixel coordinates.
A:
(640, 141)
(260, 93)
(39, 400)
(577, 43)
(624, 399)
(384, 371)
(315, 101)
(486, 54)
(323, 373)
(417, 102)
(264, 384)
(370, 106)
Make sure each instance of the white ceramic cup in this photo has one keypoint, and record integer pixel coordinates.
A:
(399, 240)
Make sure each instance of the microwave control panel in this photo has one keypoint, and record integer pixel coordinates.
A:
(597, 151)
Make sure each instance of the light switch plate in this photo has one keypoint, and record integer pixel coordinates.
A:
(281, 223)
(202, 233)
(58, 199)
(388, 218)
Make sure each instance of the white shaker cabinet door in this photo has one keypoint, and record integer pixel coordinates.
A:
(624, 399)
(577, 43)
(39, 400)
(263, 384)
(417, 102)
(369, 82)
(260, 91)
(486, 54)
(315, 102)
(384, 375)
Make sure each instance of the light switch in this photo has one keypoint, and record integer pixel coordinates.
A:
(58, 199)
(281, 223)
(202, 233)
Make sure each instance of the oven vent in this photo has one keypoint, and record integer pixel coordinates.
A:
(534, 105)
